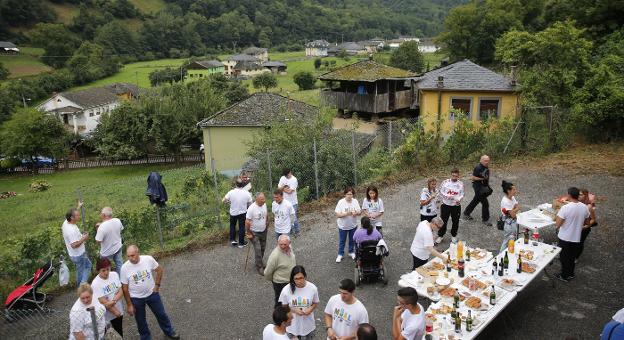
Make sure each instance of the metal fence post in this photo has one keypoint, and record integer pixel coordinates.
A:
(316, 179)
(354, 157)
(96, 334)
(269, 168)
(390, 136)
(160, 233)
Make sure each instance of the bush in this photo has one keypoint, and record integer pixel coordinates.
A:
(39, 186)
(305, 80)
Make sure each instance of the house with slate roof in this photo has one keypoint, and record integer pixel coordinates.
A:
(80, 111)
(8, 47)
(243, 65)
(203, 68)
(316, 48)
(476, 91)
(276, 67)
(226, 133)
(259, 53)
(368, 87)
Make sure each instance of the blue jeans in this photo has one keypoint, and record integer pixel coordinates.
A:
(155, 304)
(295, 227)
(117, 258)
(240, 219)
(83, 268)
(342, 239)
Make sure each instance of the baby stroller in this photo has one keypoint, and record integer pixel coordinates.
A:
(26, 296)
(369, 265)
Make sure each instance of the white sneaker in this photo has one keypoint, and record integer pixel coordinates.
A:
(454, 239)
(438, 240)
(338, 258)
(352, 255)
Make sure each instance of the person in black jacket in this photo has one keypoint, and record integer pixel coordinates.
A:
(480, 184)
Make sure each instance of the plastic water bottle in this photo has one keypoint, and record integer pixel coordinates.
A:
(63, 273)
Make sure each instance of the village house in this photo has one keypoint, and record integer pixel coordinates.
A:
(370, 46)
(80, 111)
(350, 48)
(276, 67)
(259, 53)
(226, 133)
(368, 87)
(243, 65)
(465, 86)
(316, 48)
(427, 45)
(203, 68)
(8, 47)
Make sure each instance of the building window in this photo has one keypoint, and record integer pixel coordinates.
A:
(489, 108)
(90, 113)
(462, 104)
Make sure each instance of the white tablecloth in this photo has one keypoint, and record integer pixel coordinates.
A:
(534, 219)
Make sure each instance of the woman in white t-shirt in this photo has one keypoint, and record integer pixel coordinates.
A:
(80, 324)
(347, 210)
(373, 207)
(282, 318)
(107, 289)
(509, 211)
(429, 201)
(302, 298)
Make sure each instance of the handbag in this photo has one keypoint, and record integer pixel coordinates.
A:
(486, 191)
(500, 224)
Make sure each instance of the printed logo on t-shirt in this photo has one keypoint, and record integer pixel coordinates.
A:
(141, 276)
(300, 302)
(373, 206)
(341, 316)
(259, 215)
(110, 288)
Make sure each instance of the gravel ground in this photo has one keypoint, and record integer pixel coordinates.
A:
(209, 296)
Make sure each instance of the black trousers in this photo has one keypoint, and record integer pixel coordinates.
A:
(418, 262)
(241, 228)
(584, 233)
(426, 218)
(117, 324)
(569, 250)
(277, 288)
(478, 198)
(453, 212)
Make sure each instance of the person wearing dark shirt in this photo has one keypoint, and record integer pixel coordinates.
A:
(480, 184)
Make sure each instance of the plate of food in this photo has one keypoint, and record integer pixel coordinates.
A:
(478, 285)
(528, 267)
(436, 266)
(476, 303)
(478, 253)
(443, 281)
(440, 308)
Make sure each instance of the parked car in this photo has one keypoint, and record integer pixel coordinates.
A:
(39, 161)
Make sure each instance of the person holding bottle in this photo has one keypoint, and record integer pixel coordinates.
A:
(509, 212)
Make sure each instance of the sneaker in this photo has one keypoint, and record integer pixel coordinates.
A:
(467, 217)
(454, 239)
(438, 240)
(338, 258)
(243, 245)
(487, 223)
(561, 278)
(174, 335)
(233, 243)
(352, 255)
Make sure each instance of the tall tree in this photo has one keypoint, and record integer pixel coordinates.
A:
(408, 57)
(266, 81)
(90, 62)
(57, 41)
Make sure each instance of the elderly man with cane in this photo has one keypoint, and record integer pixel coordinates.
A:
(256, 226)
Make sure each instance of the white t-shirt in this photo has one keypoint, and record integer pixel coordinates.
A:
(269, 334)
(239, 200)
(292, 184)
(347, 222)
(413, 325)
(374, 207)
(508, 204)
(422, 240)
(71, 234)
(282, 213)
(139, 277)
(452, 191)
(574, 215)
(258, 217)
(109, 233)
(432, 206)
(108, 288)
(80, 319)
(346, 318)
(302, 298)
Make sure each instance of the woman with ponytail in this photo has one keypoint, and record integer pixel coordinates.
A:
(367, 232)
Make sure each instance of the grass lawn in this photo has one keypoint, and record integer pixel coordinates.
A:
(120, 186)
(27, 63)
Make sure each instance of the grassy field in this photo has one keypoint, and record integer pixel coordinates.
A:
(26, 63)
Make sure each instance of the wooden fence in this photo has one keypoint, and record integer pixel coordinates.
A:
(68, 164)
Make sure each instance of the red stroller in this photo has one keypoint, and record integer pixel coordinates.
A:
(26, 296)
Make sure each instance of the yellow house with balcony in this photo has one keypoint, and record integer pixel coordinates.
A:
(476, 91)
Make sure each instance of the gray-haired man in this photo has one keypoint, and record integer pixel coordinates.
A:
(109, 237)
(422, 245)
(256, 226)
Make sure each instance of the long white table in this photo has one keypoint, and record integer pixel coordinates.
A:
(482, 271)
(535, 219)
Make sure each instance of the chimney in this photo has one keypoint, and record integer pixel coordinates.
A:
(513, 76)
(440, 83)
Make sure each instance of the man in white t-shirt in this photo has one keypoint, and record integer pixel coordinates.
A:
(239, 199)
(74, 242)
(344, 313)
(283, 213)
(408, 319)
(289, 184)
(142, 288)
(282, 318)
(452, 192)
(422, 245)
(256, 226)
(109, 237)
(570, 221)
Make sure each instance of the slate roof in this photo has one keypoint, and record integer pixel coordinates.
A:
(66, 109)
(91, 97)
(260, 109)
(367, 70)
(121, 88)
(206, 64)
(254, 50)
(350, 46)
(241, 57)
(274, 64)
(317, 44)
(247, 65)
(7, 44)
(465, 76)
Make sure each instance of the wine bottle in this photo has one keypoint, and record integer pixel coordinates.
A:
(460, 268)
(494, 267)
(492, 296)
(469, 322)
(456, 299)
(506, 261)
(526, 236)
(467, 254)
(448, 262)
(458, 322)
(501, 267)
(519, 269)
